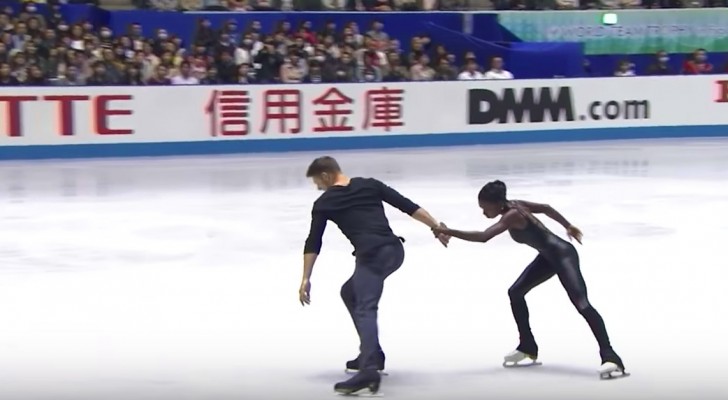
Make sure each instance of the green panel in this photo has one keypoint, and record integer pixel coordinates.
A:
(636, 31)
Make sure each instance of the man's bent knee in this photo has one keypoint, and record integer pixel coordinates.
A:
(347, 293)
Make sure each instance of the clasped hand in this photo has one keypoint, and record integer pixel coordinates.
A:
(439, 232)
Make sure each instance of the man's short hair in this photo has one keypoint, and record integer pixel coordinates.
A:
(323, 164)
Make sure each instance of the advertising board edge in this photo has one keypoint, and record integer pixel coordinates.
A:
(330, 143)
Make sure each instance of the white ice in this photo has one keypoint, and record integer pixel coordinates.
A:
(177, 278)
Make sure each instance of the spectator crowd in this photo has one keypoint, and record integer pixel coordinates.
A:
(36, 50)
(418, 5)
(43, 49)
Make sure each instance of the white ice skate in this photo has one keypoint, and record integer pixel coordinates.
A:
(610, 370)
(354, 371)
(517, 358)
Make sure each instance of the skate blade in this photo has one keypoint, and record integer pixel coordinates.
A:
(526, 364)
(608, 376)
(362, 393)
(354, 371)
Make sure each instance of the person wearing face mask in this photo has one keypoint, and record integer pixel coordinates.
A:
(243, 54)
(320, 57)
(107, 38)
(315, 74)
(106, 33)
(63, 28)
(660, 66)
(231, 27)
(625, 68)
(162, 35)
(31, 8)
(255, 27)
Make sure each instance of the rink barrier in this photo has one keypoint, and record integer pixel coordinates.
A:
(82, 122)
(353, 143)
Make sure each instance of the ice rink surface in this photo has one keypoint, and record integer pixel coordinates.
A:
(177, 278)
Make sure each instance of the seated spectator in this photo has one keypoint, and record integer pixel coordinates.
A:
(6, 78)
(439, 54)
(133, 76)
(345, 69)
(471, 72)
(377, 32)
(371, 58)
(185, 75)
(697, 63)
(351, 35)
(417, 49)
(268, 61)
(445, 71)
(226, 69)
(212, 77)
(99, 76)
(660, 66)
(36, 77)
(469, 55)
(625, 68)
(246, 74)
(291, 70)
(315, 74)
(160, 77)
(70, 76)
(397, 72)
(497, 71)
(370, 73)
(422, 71)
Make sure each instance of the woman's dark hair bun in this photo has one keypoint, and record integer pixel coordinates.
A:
(493, 192)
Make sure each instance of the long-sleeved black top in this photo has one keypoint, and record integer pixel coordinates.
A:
(358, 211)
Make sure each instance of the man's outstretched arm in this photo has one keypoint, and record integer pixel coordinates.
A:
(407, 206)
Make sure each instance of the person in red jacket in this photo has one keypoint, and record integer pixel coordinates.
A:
(697, 63)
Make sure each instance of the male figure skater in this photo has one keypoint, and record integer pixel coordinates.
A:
(355, 205)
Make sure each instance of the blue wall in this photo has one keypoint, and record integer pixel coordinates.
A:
(459, 32)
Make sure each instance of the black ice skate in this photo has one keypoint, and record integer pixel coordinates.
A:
(612, 366)
(364, 383)
(353, 365)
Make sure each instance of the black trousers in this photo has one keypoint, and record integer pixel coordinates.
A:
(564, 264)
(361, 295)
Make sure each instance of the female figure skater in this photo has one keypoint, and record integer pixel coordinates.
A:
(555, 257)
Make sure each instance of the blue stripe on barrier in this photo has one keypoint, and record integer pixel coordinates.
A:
(353, 143)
